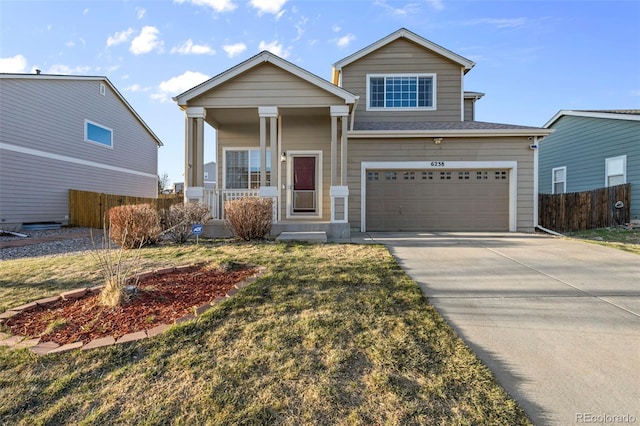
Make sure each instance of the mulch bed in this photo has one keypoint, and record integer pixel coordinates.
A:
(159, 299)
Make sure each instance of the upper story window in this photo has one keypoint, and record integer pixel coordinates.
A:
(401, 91)
(97, 133)
(615, 170)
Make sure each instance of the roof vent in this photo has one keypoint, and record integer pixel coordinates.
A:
(38, 71)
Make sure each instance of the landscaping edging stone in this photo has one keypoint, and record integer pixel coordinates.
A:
(38, 347)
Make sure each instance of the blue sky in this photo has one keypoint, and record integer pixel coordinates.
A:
(533, 58)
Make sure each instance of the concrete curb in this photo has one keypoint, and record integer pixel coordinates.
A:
(38, 347)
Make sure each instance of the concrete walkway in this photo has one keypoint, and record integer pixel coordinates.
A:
(557, 321)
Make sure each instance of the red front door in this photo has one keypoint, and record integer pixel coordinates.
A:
(304, 184)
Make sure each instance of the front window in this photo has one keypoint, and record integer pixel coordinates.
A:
(401, 91)
(559, 180)
(242, 168)
(616, 171)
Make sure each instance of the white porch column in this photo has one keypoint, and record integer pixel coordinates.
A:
(271, 191)
(339, 192)
(194, 154)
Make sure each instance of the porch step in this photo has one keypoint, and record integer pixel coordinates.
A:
(317, 237)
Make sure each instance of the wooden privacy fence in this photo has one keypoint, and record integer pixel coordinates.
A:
(89, 208)
(579, 211)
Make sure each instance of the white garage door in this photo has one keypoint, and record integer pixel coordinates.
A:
(437, 200)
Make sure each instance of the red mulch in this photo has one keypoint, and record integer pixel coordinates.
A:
(160, 299)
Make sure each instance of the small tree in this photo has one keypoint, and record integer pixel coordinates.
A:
(133, 226)
(163, 182)
(116, 266)
(249, 218)
(180, 218)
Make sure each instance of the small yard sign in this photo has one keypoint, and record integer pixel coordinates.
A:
(196, 229)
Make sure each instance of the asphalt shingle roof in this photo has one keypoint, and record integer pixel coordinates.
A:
(434, 125)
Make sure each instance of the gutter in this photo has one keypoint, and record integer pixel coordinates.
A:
(371, 134)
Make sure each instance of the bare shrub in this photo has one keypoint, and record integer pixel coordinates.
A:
(180, 218)
(116, 267)
(134, 225)
(249, 218)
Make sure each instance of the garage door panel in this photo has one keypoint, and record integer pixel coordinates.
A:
(446, 200)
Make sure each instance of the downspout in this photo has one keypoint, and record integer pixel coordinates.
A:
(353, 113)
(535, 181)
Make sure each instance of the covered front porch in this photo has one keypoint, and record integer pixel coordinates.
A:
(281, 133)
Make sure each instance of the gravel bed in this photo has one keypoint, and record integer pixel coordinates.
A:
(61, 247)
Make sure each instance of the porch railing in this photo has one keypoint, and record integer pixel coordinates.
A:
(216, 198)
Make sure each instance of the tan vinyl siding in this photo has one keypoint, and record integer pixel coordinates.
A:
(451, 149)
(405, 57)
(469, 110)
(266, 85)
(48, 116)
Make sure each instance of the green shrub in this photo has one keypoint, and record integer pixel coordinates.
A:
(179, 219)
(134, 226)
(249, 218)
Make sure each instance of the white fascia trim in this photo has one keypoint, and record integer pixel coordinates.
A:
(260, 58)
(512, 166)
(609, 115)
(404, 33)
(67, 159)
(268, 111)
(373, 134)
(339, 110)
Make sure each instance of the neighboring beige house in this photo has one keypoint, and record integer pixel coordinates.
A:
(389, 145)
(62, 132)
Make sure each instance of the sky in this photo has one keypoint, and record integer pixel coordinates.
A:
(533, 58)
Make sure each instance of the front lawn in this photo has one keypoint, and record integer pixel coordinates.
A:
(621, 238)
(332, 334)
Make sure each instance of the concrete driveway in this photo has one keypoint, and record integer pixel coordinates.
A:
(557, 321)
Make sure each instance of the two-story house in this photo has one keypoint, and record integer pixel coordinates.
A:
(62, 132)
(390, 144)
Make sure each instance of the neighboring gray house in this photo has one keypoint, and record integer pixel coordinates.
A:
(389, 144)
(68, 132)
(590, 150)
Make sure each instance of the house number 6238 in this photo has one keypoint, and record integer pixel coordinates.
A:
(437, 164)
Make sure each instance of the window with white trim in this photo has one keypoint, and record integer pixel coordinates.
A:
(96, 133)
(559, 180)
(615, 170)
(242, 168)
(401, 91)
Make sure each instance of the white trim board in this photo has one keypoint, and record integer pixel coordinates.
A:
(67, 159)
(512, 166)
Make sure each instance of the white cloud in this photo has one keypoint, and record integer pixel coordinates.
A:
(140, 12)
(234, 49)
(136, 88)
(146, 41)
(300, 27)
(84, 12)
(219, 6)
(275, 48)
(13, 64)
(499, 22)
(336, 28)
(435, 4)
(345, 40)
(407, 10)
(195, 49)
(176, 85)
(70, 43)
(66, 70)
(268, 6)
(119, 37)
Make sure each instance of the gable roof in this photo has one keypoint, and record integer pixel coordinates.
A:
(613, 114)
(402, 33)
(253, 62)
(85, 78)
